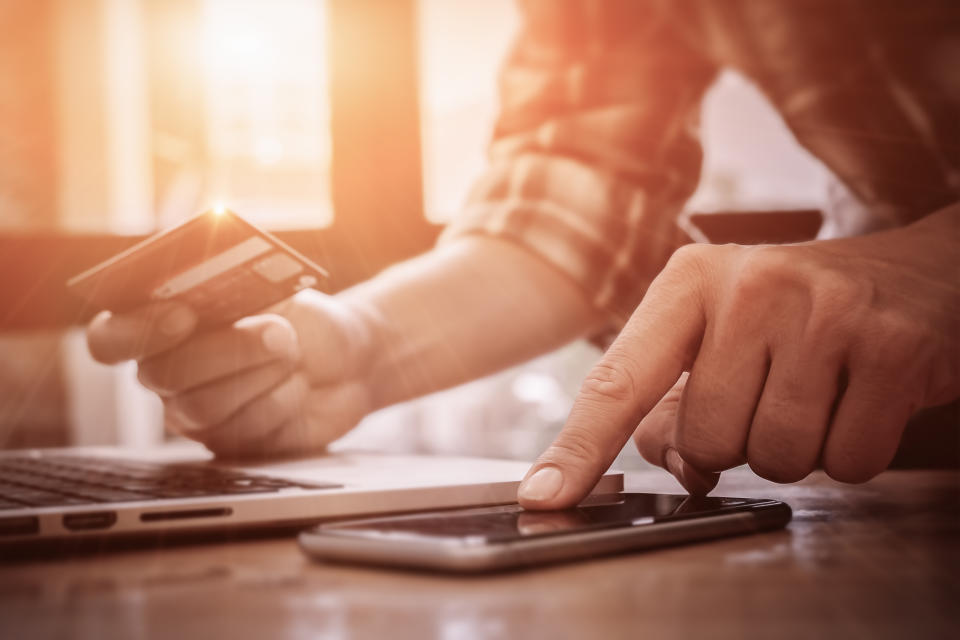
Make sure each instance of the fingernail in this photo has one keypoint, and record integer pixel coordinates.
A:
(177, 322)
(542, 485)
(674, 463)
(277, 339)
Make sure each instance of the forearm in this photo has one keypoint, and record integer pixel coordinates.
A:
(462, 311)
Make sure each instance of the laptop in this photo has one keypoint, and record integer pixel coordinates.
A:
(225, 268)
(96, 492)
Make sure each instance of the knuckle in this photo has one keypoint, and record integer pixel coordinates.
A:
(900, 338)
(610, 381)
(849, 466)
(777, 459)
(850, 473)
(783, 445)
(835, 289)
(778, 471)
(762, 258)
(759, 270)
(893, 355)
(826, 331)
(573, 446)
(688, 266)
(704, 450)
(838, 304)
(692, 257)
(787, 398)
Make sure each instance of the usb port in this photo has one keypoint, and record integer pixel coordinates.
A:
(90, 520)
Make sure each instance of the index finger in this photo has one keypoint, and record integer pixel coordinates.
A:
(637, 370)
(144, 332)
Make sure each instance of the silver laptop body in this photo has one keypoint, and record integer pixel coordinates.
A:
(93, 492)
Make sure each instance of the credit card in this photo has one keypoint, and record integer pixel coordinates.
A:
(222, 266)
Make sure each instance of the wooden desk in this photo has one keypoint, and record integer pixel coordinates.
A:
(870, 561)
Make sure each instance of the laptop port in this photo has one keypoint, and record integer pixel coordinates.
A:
(90, 520)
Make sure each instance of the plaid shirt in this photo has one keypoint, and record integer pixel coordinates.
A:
(595, 150)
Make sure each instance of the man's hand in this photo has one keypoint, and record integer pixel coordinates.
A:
(797, 356)
(286, 382)
(293, 380)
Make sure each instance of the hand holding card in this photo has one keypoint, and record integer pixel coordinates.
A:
(277, 382)
(219, 264)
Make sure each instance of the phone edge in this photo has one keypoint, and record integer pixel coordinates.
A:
(542, 551)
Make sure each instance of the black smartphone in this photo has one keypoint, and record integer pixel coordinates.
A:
(508, 536)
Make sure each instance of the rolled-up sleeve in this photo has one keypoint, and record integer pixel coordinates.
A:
(595, 149)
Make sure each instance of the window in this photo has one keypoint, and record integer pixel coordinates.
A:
(462, 45)
(267, 110)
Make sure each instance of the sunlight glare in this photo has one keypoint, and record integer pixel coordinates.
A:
(267, 123)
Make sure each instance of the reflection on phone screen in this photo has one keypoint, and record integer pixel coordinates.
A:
(493, 524)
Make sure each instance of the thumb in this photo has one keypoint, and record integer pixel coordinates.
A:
(335, 341)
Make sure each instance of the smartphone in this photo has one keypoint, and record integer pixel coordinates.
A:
(219, 264)
(507, 536)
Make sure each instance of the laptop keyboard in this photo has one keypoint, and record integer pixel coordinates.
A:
(50, 480)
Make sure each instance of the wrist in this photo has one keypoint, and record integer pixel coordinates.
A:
(369, 336)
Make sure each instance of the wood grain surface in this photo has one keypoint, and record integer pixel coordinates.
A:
(878, 560)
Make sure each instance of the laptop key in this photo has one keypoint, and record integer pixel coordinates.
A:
(63, 480)
(37, 497)
(32, 481)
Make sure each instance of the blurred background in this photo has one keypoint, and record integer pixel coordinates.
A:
(352, 127)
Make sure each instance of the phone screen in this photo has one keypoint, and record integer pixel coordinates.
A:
(512, 522)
